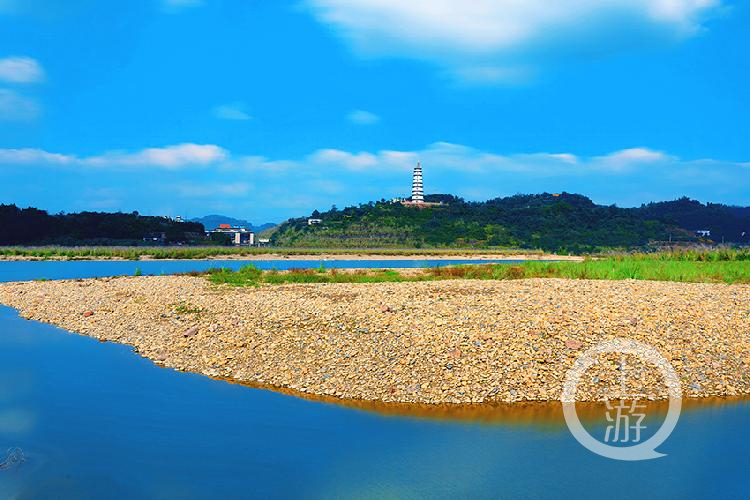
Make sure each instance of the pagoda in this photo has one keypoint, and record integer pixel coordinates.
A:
(417, 188)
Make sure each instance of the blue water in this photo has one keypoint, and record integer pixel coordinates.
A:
(28, 270)
(95, 420)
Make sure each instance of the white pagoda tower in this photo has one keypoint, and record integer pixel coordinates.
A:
(417, 189)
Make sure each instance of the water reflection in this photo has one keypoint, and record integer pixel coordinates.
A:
(528, 413)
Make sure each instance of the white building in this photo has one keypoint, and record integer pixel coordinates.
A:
(239, 235)
(417, 188)
(417, 192)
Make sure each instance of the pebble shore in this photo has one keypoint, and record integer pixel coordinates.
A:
(452, 341)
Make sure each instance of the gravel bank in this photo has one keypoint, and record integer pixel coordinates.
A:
(457, 341)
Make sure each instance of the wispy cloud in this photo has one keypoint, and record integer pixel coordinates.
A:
(440, 156)
(628, 176)
(362, 117)
(16, 106)
(505, 40)
(231, 111)
(18, 69)
(30, 156)
(344, 159)
(632, 157)
(169, 157)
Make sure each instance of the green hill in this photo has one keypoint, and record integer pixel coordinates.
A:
(547, 221)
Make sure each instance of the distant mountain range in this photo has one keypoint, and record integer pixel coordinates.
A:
(559, 221)
(213, 221)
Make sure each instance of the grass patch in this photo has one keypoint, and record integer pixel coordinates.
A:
(614, 269)
(187, 308)
(252, 276)
(699, 267)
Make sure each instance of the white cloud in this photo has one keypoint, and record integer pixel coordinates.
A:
(362, 117)
(628, 158)
(348, 177)
(33, 156)
(637, 154)
(440, 156)
(336, 176)
(20, 70)
(232, 111)
(344, 159)
(15, 106)
(497, 40)
(169, 157)
(444, 156)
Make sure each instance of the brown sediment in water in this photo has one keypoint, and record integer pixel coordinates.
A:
(523, 413)
(441, 342)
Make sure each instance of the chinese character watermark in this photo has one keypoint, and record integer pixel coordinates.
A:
(622, 422)
(626, 416)
(623, 412)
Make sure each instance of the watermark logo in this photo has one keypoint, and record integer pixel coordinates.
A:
(625, 418)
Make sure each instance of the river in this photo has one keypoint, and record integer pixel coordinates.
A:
(94, 420)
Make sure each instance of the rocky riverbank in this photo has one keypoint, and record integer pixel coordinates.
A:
(454, 341)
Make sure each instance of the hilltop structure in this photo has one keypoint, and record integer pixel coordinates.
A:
(417, 190)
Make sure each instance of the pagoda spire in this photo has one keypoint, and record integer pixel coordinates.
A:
(417, 189)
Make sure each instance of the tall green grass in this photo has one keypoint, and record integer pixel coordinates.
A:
(694, 255)
(735, 271)
(654, 268)
(252, 276)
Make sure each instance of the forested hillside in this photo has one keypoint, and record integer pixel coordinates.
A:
(548, 221)
(725, 222)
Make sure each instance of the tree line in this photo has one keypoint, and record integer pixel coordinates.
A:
(31, 226)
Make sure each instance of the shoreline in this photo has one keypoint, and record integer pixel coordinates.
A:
(433, 342)
(308, 257)
(548, 412)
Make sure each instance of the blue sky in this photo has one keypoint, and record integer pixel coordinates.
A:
(266, 110)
